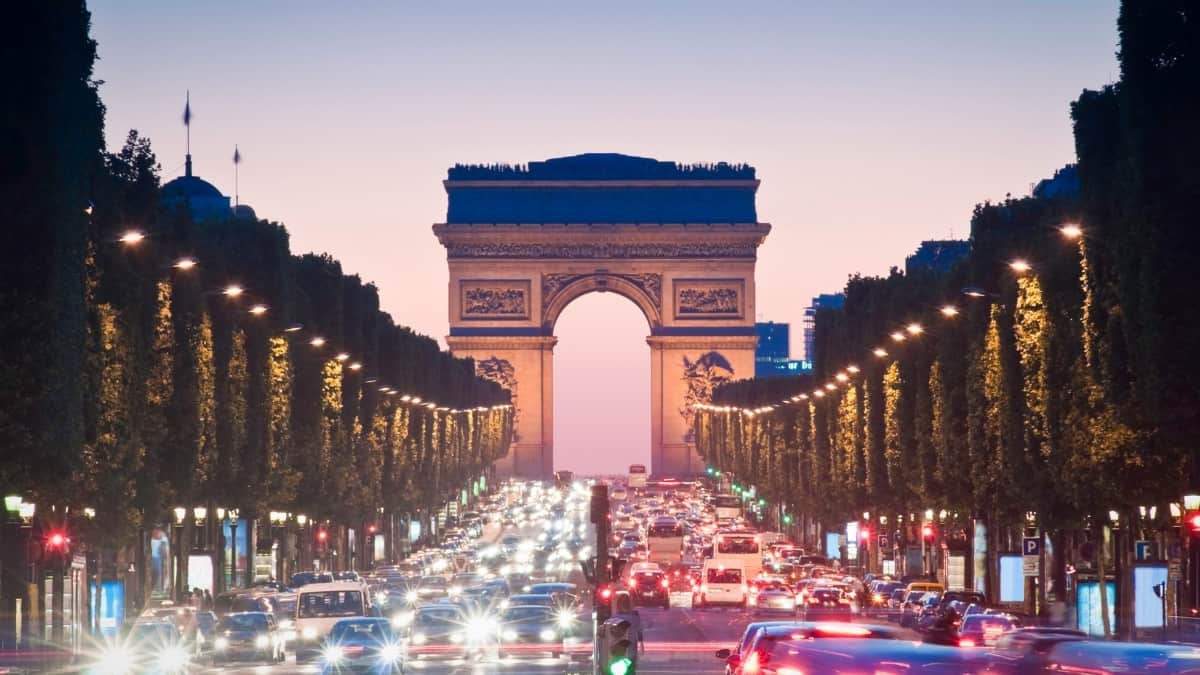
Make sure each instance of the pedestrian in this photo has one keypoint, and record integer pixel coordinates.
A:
(197, 599)
(208, 600)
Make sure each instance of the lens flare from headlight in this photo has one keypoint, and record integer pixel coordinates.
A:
(172, 658)
(115, 660)
(548, 635)
(261, 641)
(412, 597)
(221, 643)
(456, 637)
(402, 619)
(332, 654)
(390, 653)
(566, 619)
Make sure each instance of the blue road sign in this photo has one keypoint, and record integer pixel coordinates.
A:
(1143, 550)
(1031, 546)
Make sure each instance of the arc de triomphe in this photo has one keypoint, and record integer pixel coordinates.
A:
(680, 242)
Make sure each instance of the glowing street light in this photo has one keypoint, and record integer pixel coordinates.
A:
(356, 366)
(317, 341)
(258, 310)
(852, 369)
(1071, 231)
(841, 377)
(949, 311)
(294, 328)
(233, 290)
(898, 336)
(818, 393)
(343, 357)
(830, 386)
(1020, 266)
(880, 352)
(974, 292)
(914, 328)
(185, 264)
(132, 237)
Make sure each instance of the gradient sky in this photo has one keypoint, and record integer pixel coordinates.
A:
(873, 125)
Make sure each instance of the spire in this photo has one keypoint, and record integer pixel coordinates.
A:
(187, 123)
(237, 159)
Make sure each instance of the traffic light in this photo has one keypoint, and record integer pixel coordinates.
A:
(1193, 522)
(599, 504)
(622, 648)
(927, 532)
(865, 534)
(603, 603)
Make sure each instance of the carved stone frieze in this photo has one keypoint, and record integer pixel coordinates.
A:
(494, 299)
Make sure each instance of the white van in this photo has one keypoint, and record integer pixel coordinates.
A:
(318, 607)
(722, 582)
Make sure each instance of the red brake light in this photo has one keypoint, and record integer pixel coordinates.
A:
(966, 642)
(57, 539)
(666, 583)
(632, 582)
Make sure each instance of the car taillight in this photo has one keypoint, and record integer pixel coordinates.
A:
(750, 665)
(704, 588)
(966, 642)
(632, 583)
(666, 583)
(814, 600)
(843, 601)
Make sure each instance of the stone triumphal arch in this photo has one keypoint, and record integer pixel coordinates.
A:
(680, 242)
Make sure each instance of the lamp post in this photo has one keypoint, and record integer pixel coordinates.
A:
(233, 562)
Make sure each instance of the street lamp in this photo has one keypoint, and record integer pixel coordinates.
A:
(949, 311)
(185, 264)
(914, 328)
(318, 341)
(233, 291)
(1020, 266)
(898, 336)
(233, 565)
(1071, 231)
(131, 237)
(880, 352)
(180, 514)
(12, 504)
(258, 310)
(26, 510)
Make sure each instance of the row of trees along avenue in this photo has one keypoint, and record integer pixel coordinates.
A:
(196, 364)
(1060, 391)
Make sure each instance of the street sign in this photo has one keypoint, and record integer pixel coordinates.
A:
(1030, 566)
(1031, 546)
(1175, 570)
(1143, 550)
(883, 542)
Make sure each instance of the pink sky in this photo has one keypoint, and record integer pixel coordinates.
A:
(872, 126)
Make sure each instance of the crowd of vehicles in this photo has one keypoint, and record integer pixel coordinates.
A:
(468, 598)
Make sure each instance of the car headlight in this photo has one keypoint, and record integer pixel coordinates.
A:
(332, 654)
(510, 635)
(479, 628)
(261, 641)
(419, 638)
(412, 597)
(115, 660)
(566, 619)
(309, 633)
(456, 637)
(380, 598)
(548, 635)
(172, 658)
(402, 619)
(221, 643)
(390, 653)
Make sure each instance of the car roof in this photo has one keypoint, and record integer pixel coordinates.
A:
(330, 586)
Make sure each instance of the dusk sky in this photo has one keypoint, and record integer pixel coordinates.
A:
(873, 125)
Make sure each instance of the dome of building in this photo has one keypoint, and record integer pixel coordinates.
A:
(244, 212)
(190, 187)
(203, 200)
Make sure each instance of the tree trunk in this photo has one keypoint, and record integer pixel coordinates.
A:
(1100, 573)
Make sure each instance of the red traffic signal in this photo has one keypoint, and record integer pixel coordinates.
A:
(371, 528)
(57, 540)
(605, 593)
(927, 532)
(1193, 521)
(864, 534)
(322, 535)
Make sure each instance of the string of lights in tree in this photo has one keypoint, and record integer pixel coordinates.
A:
(908, 332)
(234, 291)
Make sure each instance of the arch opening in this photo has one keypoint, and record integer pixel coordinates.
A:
(602, 412)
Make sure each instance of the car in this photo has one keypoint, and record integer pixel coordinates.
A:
(319, 607)
(857, 655)
(825, 603)
(1027, 650)
(529, 629)
(543, 599)
(982, 630)
(722, 584)
(250, 636)
(432, 587)
(363, 645)
(651, 588)
(438, 630)
(151, 646)
(799, 630)
(775, 598)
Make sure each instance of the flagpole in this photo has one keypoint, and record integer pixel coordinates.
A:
(235, 176)
(187, 123)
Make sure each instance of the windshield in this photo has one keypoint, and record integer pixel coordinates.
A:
(331, 603)
(724, 576)
(238, 622)
(438, 616)
(737, 545)
(362, 631)
(666, 530)
(727, 501)
(527, 614)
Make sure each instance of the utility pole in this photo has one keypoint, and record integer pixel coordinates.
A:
(599, 517)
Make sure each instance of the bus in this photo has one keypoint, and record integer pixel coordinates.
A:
(563, 478)
(739, 549)
(664, 538)
(637, 476)
(727, 506)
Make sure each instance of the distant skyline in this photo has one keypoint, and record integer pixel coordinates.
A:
(872, 125)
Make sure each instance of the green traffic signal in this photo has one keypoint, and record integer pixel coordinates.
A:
(621, 666)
